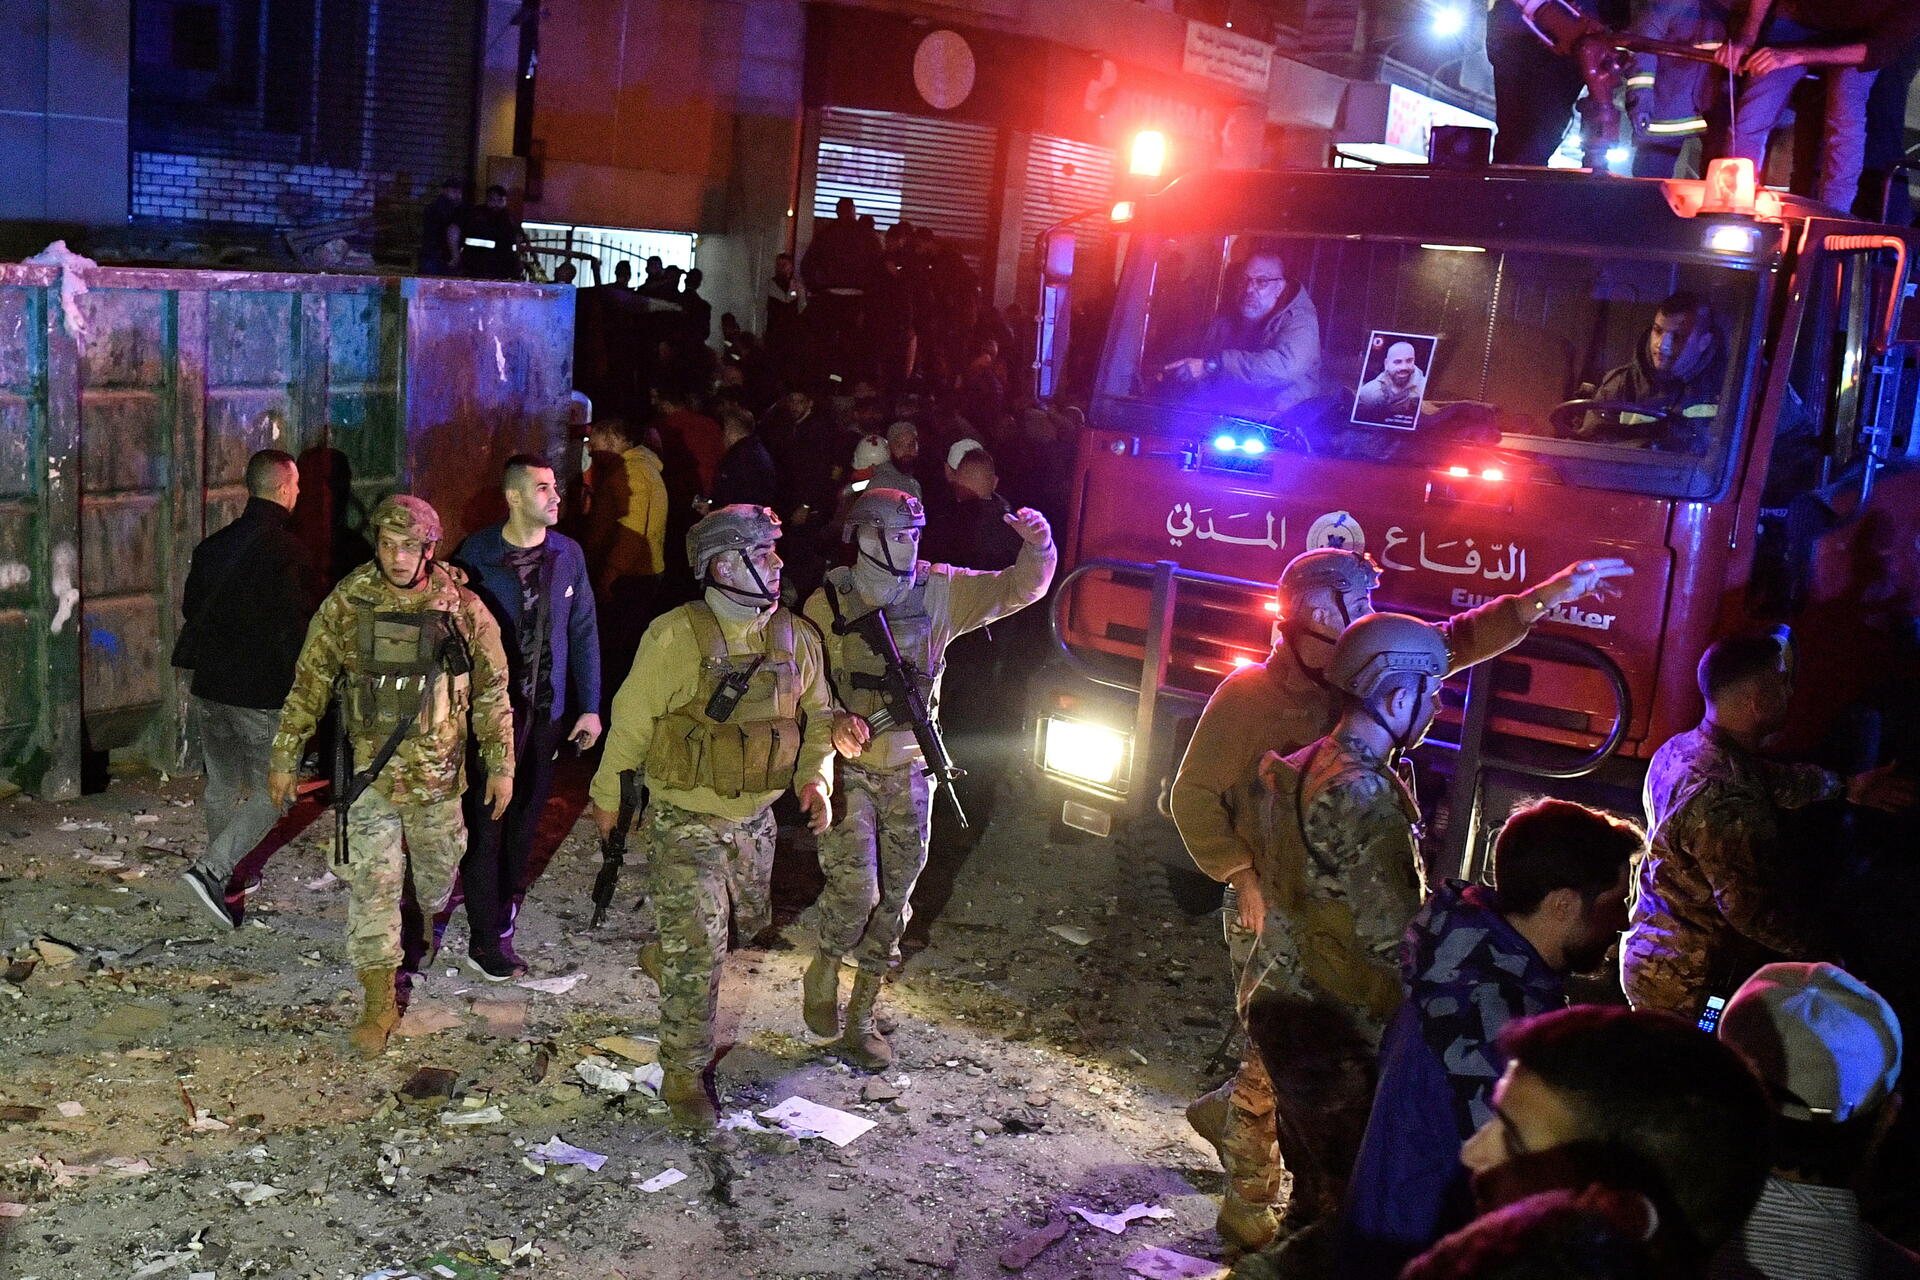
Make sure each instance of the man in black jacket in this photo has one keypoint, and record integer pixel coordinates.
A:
(250, 591)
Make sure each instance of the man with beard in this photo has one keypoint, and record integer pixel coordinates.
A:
(1716, 894)
(1475, 959)
(1673, 381)
(1266, 353)
(1392, 396)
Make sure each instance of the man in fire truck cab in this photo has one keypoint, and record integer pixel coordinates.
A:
(1281, 705)
(1670, 386)
(1263, 351)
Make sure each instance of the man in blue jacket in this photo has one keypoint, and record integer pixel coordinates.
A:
(534, 580)
(1475, 959)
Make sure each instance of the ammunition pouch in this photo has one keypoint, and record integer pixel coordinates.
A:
(756, 746)
(399, 654)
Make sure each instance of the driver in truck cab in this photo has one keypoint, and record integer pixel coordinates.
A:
(1675, 377)
(1263, 351)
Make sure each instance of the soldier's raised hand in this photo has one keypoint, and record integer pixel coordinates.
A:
(850, 734)
(819, 809)
(1585, 578)
(1030, 525)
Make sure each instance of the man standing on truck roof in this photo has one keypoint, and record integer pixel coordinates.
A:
(1265, 353)
(1281, 705)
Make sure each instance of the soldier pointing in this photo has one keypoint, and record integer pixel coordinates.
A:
(726, 707)
(1281, 705)
(413, 651)
(873, 857)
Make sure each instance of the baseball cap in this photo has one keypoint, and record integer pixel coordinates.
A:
(960, 449)
(1823, 1041)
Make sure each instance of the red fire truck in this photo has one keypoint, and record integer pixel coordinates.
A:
(1517, 292)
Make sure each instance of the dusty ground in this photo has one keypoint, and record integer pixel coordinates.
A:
(1034, 1073)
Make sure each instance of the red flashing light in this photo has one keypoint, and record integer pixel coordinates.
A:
(1241, 660)
(1458, 471)
(1492, 473)
(1123, 211)
(1272, 607)
(1147, 156)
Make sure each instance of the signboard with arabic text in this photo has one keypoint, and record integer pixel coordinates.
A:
(1227, 57)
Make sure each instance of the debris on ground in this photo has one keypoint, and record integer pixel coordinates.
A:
(1019, 1255)
(802, 1118)
(1155, 1263)
(1115, 1223)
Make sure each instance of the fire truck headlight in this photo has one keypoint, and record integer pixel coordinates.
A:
(1085, 752)
(1732, 238)
(1253, 446)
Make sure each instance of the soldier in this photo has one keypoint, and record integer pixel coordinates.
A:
(1338, 863)
(1285, 703)
(725, 708)
(876, 853)
(1715, 893)
(413, 649)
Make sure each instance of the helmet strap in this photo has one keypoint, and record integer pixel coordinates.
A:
(1402, 738)
(760, 598)
(886, 550)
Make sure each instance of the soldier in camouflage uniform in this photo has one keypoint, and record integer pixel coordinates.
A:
(875, 854)
(413, 651)
(1286, 702)
(726, 707)
(1338, 860)
(1716, 892)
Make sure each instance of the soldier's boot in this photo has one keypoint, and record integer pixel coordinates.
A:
(860, 1043)
(378, 1016)
(1246, 1225)
(650, 961)
(820, 995)
(1207, 1114)
(689, 1107)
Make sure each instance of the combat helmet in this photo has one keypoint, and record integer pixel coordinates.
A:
(1384, 644)
(408, 516)
(738, 527)
(887, 510)
(1330, 568)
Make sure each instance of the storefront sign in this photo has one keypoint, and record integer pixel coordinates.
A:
(1228, 58)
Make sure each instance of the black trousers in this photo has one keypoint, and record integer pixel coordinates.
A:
(493, 872)
(1534, 90)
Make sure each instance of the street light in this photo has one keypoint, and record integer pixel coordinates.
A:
(1449, 21)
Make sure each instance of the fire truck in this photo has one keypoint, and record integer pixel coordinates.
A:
(1521, 294)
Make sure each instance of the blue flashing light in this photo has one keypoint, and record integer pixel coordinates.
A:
(1225, 443)
(1253, 446)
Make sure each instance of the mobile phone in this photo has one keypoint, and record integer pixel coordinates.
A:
(1710, 1015)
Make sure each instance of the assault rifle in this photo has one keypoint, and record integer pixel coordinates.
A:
(613, 849)
(904, 705)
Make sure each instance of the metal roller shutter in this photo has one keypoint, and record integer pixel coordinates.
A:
(1065, 177)
(933, 173)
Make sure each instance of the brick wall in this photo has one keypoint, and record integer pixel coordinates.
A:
(185, 188)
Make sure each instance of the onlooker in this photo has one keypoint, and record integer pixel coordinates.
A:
(1475, 959)
(903, 450)
(440, 230)
(1828, 1049)
(692, 444)
(654, 283)
(626, 541)
(1845, 42)
(492, 237)
(1638, 1101)
(251, 589)
(1534, 87)
(533, 579)
(745, 474)
(1594, 1234)
(838, 267)
(623, 274)
(565, 273)
(699, 310)
(1717, 891)
(974, 533)
(1886, 143)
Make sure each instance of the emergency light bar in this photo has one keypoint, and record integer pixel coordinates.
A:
(1122, 211)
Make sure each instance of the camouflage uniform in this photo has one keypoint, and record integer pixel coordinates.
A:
(875, 853)
(1713, 897)
(408, 821)
(1337, 860)
(711, 854)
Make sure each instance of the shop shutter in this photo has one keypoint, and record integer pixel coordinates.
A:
(933, 173)
(1065, 177)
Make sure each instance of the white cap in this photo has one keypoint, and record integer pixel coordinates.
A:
(1823, 1041)
(961, 448)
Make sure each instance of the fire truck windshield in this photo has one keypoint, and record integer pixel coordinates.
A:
(1604, 370)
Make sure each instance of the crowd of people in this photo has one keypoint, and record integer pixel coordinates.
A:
(1417, 1097)
(1684, 110)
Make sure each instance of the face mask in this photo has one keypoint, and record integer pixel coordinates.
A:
(882, 570)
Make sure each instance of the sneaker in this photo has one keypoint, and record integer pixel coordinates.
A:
(251, 886)
(496, 968)
(212, 895)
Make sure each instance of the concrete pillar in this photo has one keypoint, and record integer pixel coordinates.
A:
(1003, 273)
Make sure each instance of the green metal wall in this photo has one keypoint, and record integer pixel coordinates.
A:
(120, 449)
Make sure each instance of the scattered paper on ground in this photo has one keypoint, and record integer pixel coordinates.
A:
(1072, 933)
(253, 1192)
(661, 1181)
(554, 1151)
(70, 1109)
(485, 1115)
(554, 986)
(1156, 1263)
(629, 1048)
(801, 1117)
(1115, 1223)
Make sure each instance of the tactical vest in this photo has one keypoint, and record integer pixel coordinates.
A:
(740, 732)
(859, 675)
(410, 667)
(1321, 928)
